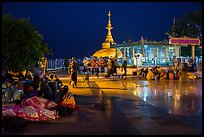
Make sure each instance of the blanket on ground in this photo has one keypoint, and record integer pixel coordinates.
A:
(33, 109)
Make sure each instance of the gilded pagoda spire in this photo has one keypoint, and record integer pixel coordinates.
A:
(107, 50)
(109, 38)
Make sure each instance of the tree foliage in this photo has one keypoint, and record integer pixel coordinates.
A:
(22, 45)
(189, 25)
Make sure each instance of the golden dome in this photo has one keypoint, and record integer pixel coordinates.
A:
(107, 52)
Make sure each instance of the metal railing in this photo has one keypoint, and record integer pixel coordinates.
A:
(55, 64)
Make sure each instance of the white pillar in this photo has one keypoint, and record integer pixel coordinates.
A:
(176, 51)
(167, 54)
(193, 53)
(124, 50)
(155, 55)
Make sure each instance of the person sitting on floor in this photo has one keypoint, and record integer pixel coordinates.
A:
(150, 75)
(45, 90)
(65, 101)
(163, 75)
(11, 92)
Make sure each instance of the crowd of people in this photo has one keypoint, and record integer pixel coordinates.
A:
(157, 73)
(108, 67)
(94, 65)
(17, 92)
(49, 90)
(172, 73)
(98, 65)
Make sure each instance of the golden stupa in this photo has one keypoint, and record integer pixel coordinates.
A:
(106, 51)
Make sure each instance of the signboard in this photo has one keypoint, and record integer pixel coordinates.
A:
(184, 41)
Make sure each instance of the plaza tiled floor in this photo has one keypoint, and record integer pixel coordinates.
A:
(127, 111)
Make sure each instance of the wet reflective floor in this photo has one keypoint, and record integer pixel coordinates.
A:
(173, 104)
(176, 97)
(180, 99)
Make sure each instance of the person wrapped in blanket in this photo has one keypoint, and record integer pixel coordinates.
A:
(65, 100)
(194, 75)
(41, 109)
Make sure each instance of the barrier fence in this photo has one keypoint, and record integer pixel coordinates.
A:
(55, 64)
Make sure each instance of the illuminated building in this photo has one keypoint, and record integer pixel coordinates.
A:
(144, 53)
(148, 52)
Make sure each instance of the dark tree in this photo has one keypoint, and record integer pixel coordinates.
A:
(22, 45)
(189, 25)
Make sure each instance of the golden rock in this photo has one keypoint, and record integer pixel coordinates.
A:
(106, 50)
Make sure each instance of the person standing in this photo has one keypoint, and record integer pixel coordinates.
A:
(93, 61)
(73, 72)
(124, 66)
(102, 65)
(85, 62)
(109, 68)
(97, 67)
(115, 66)
(43, 65)
(37, 73)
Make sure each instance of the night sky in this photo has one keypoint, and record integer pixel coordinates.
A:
(79, 28)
